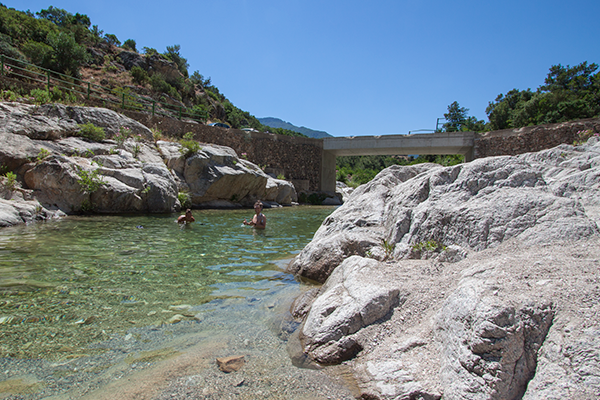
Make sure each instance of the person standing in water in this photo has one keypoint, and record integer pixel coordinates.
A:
(187, 218)
(259, 220)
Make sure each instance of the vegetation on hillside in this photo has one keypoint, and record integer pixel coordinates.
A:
(67, 43)
(568, 93)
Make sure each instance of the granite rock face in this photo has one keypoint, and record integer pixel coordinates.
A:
(478, 281)
(537, 198)
(62, 171)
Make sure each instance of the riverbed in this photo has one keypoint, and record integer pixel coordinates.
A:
(139, 306)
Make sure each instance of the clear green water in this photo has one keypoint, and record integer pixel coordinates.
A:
(67, 284)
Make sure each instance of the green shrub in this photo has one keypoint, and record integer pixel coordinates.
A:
(189, 146)
(430, 245)
(67, 55)
(59, 96)
(92, 132)
(11, 180)
(130, 44)
(8, 95)
(90, 181)
(139, 75)
(40, 96)
(185, 199)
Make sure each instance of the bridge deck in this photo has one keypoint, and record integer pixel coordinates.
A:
(432, 143)
(435, 143)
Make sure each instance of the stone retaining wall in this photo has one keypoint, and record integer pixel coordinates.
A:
(532, 138)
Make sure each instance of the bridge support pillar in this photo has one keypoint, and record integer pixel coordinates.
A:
(469, 155)
(328, 172)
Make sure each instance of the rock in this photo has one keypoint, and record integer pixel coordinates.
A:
(131, 59)
(332, 201)
(506, 308)
(176, 319)
(216, 177)
(347, 303)
(473, 206)
(19, 211)
(280, 191)
(53, 121)
(344, 191)
(231, 363)
(490, 347)
(38, 143)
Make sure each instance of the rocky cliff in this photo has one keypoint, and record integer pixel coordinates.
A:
(50, 169)
(477, 281)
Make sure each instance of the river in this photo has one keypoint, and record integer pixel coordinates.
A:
(96, 305)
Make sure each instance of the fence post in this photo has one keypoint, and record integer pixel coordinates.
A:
(123, 100)
(48, 75)
(180, 113)
(153, 107)
(89, 90)
(1, 64)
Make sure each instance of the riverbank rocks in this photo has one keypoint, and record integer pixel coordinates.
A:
(477, 281)
(349, 301)
(62, 171)
(215, 175)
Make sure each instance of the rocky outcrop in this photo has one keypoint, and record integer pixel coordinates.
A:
(476, 281)
(215, 176)
(72, 174)
(545, 197)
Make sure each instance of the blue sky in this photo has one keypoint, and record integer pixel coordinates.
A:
(355, 67)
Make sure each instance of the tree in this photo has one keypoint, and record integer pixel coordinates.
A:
(130, 44)
(569, 93)
(67, 54)
(112, 39)
(198, 79)
(96, 34)
(172, 54)
(455, 117)
(57, 16)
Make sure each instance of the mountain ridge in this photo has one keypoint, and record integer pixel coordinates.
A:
(279, 123)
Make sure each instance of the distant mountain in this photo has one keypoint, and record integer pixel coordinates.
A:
(277, 123)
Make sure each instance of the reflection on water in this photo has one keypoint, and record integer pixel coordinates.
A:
(65, 285)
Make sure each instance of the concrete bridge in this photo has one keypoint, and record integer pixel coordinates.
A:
(421, 144)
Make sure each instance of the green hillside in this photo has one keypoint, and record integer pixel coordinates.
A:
(65, 46)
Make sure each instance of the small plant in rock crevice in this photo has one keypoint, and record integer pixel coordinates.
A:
(124, 133)
(189, 146)
(156, 134)
(430, 245)
(388, 248)
(11, 181)
(583, 136)
(90, 181)
(42, 155)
